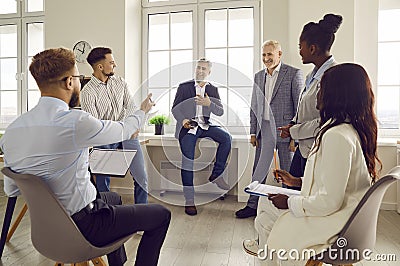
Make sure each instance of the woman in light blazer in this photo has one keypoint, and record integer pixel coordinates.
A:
(316, 40)
(339, 169)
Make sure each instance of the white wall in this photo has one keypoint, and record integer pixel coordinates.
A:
(115, 24)
(284, 21)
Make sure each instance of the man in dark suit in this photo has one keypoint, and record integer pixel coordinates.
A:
(194, 103)
(274, 101)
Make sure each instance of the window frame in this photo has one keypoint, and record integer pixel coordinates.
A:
(146, 3)
(387, 132)
(198, 8)
(21, 19)
(25, 59)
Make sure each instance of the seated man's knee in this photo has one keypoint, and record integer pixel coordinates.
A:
(111, 198)
(163, 213)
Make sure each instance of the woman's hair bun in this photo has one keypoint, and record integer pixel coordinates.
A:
(330, 23)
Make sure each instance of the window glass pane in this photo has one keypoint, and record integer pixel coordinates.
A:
(158, 69)
(219, 71)
(8, 6)
(8, 110)
(388, 29)
(31, 81)
(241, 27)
(8, 41)
(388, 106)
(33, 99)
(216, 28)
(35, 5)
(8, 69)
(182, 67)
(161, 98)
(240, 67)
(388, 69)
(223, 94)
(159, 32)
(239, 102)
(181, 30)
(35, 38)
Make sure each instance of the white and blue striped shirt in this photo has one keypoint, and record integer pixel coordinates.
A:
(109, 101)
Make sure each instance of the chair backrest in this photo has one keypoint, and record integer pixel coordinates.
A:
(359, 232)
(53, 232)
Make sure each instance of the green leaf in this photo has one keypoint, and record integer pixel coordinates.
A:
(159, 120)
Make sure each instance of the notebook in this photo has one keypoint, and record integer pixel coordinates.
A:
(113, 162)
(255, 188)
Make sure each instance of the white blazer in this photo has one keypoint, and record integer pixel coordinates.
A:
(335, 180)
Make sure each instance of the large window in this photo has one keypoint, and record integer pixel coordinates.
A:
(388, 94)
(226, 33)
(21, 37)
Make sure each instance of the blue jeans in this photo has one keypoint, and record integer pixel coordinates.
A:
(137, 169)
(188, 144)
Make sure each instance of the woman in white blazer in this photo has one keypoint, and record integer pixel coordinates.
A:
(315, 42)
(339, 169)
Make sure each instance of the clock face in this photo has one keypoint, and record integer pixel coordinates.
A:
(81, 50)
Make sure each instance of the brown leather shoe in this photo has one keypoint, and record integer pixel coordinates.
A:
(190, 210)
(219, 181)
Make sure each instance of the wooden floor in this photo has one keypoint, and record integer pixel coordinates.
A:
(213, 237)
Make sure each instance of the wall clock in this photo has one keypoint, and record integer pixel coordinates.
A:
(81, 50)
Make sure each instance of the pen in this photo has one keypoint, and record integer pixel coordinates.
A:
(276, 166)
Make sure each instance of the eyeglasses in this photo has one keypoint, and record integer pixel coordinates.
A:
(81, 77)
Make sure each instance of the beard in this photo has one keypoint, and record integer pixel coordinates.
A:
(74, 101)
(108, 74)
(200, 78)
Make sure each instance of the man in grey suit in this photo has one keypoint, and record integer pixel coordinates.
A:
(274, 101)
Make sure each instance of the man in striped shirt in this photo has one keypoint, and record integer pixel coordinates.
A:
(107, 97)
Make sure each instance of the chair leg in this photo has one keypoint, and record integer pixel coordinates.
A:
(98, 261)
(7, 221)
(311, 262)
(16, 223)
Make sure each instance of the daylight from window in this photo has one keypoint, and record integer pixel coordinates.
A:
(388, 96)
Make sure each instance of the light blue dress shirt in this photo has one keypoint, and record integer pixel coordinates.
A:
(52, 141)
(316, 73)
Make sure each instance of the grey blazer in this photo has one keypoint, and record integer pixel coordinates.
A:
(284, 99)
(307, 118)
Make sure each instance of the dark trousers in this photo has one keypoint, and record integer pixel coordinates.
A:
(297, 167)
(109, 221)
(188, 144)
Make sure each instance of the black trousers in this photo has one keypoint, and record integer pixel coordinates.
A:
(109, 221)
(297, 167)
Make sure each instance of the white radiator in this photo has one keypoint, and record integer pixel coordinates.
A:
(171, 177)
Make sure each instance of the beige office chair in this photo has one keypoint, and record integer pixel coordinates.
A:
(359, 232)
(53, 232)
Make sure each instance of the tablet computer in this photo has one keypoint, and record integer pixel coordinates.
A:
(113, 162)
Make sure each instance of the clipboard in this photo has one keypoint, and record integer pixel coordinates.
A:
(113, 162)
(257, 189)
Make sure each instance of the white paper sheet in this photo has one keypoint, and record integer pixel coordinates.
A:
(256, 188)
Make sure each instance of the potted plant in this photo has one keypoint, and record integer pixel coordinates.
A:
(158, 121)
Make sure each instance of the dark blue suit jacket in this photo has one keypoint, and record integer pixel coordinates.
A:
(184, 106)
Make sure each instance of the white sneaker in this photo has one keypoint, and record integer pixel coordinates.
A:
(251, 247)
